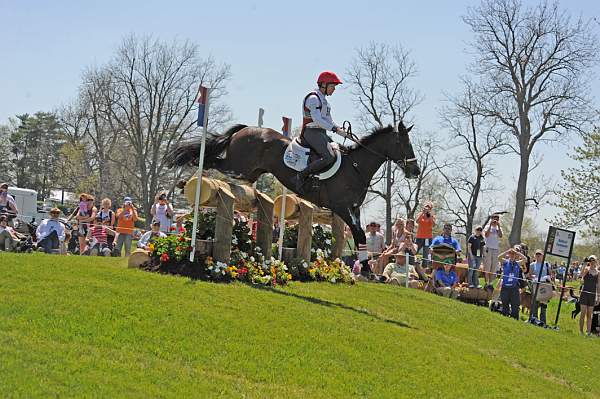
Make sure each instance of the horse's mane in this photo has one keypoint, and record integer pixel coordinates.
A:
(369, 138)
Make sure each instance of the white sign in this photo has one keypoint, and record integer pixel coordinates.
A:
(562, 243)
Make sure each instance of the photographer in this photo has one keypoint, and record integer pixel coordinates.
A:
(126, 218)
(492, 233)
(425, 222)
(162, 211)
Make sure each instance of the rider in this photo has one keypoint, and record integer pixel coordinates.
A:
(316, 120)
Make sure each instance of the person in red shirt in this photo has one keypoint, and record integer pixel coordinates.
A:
(425, 222)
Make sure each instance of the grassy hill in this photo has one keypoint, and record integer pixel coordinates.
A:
(73, 326)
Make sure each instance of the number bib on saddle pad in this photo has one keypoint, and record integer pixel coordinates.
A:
(297, 157)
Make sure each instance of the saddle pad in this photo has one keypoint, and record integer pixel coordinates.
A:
(296, 157)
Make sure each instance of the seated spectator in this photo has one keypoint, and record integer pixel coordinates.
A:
(8, 237)
(512, 279)
(126, 218)
(50, 233)
(392, 249)
(446, 281)
(98, 238)
(149, 236)
(395, 272)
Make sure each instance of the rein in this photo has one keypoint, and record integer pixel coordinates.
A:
(352, 137)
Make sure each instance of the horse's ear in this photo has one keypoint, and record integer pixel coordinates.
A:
(409, 129)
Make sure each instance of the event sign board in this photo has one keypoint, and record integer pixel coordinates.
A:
(560, 242)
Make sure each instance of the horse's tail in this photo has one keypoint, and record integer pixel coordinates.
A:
(188, 152)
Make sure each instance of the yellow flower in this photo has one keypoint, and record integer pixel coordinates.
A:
(151, 247)
(289, 276)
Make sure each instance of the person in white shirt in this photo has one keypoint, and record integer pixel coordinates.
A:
(543, 271)
(50, 233)
(149, 236)
(492, 233)
(316, 121)
(162, 211)
(8, 204)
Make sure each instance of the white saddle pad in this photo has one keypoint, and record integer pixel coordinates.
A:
(296, 157)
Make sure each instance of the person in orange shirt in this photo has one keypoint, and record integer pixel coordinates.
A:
(425, 222)
(126, 218)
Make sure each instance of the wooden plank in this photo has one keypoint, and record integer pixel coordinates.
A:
(337, 228)
(223, 226)
(264, 218)
(305, 221)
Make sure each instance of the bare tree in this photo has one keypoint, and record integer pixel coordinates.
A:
(143, 102)
(477, 137)
(534, 64)
(379, 77)
(410, 195)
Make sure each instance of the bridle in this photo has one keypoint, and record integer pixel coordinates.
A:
(403, 163)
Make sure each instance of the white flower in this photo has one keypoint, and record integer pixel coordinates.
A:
(333, 279)
(234, 241)
(305, 265)
(252, 259)
(328, 242)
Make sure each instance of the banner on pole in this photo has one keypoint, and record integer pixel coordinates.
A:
(287, 126)
(202, 99)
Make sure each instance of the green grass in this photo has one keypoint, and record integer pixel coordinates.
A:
(89, 327)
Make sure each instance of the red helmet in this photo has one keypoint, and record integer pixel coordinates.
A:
(328, 77)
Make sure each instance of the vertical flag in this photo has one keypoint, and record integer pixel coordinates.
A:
(203, 95)
(202, 98)
(287, 127)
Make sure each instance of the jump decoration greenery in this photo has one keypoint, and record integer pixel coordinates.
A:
(248, 264)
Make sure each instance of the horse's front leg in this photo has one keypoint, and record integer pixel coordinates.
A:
(352, 219)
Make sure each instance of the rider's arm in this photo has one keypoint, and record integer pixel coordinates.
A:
(313, 104)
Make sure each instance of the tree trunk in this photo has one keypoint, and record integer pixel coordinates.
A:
(515, 233)
(388, 203)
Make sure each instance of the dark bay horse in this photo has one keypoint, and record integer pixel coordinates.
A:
(247, 152)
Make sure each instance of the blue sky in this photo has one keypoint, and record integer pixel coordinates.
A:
(275, 50)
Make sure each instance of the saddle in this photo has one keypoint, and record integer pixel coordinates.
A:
(297, 157)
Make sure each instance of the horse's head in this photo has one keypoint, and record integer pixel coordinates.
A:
(402, 152)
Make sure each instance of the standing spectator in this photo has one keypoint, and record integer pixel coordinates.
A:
(126, 218)
(589, 294)
(50, 233)
(511, 277)
(162, 211)
(492, 233)
(8, 205)
(84, 214)
(149, 236)
(476, 245)
(108, 218)
(106, 213)
(348, 252)
(446, 281)
(8, 238)
(446, 238)
(536, 269)
(425, 222)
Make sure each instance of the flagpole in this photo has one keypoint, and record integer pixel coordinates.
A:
(200, 167)
(286, 122)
